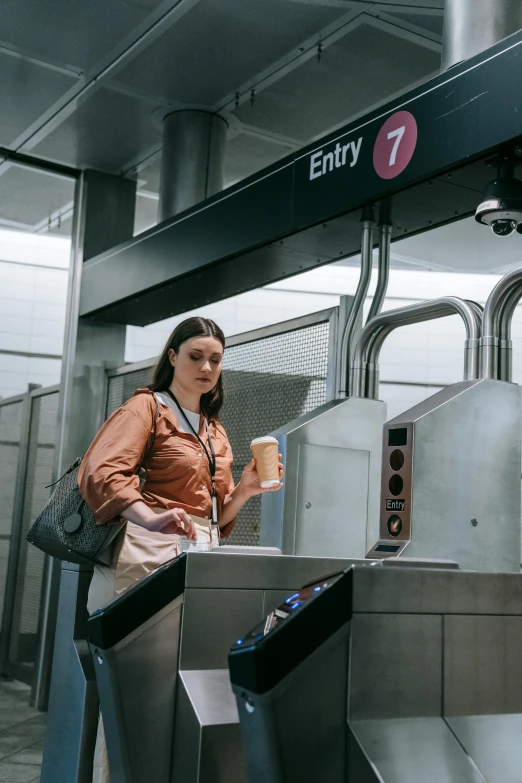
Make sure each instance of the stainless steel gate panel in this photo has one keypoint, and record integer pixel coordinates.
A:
(138, 729)
(410, 750)
(396, 664)
(317, 524)
(451, 477)
(494, 743)
(420, 590)
(72, 718)
(329, 504)
(483, 676)
(135, 642)
(258, 572)
(212, 615)
(207, 746)
(434, 685)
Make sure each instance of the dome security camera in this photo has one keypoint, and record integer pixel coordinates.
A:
(501, 205)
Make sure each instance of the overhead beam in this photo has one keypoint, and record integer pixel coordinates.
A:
(302, 211)
(7, 155)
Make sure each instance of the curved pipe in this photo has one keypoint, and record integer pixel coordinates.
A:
(498, 314)
(368, 227)
(505, 346)
(365, 365)
(385, 233)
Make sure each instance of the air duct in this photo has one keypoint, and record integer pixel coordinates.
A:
(472, 26)
(193, 160)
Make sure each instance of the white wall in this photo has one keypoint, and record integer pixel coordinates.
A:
(33, 291)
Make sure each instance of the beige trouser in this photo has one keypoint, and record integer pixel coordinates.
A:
(140, 553)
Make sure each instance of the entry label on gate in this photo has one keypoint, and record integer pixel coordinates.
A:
(395, 505)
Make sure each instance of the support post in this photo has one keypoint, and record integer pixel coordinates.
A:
(193, 160)
(472, 26)
(104, 216)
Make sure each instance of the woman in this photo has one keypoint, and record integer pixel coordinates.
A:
(189, 490)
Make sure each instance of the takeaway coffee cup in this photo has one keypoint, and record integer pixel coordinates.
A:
(266, 455)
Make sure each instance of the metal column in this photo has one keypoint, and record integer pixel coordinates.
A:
(193, 160)
(104, 215)
(472, 26)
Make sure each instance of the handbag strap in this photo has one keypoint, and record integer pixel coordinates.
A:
(152, 438)
(141, 467)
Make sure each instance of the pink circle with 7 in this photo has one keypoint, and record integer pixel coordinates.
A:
(395, 145)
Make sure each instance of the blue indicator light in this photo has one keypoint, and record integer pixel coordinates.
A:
(289, 600)
(316, 589)
(239, 641)
(260, 636)
(297, 603)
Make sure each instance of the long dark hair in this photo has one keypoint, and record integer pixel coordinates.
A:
(211, 401)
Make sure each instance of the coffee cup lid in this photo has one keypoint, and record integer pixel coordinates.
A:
(264, 439)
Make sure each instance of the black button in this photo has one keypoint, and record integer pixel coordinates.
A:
(395, 485)
(396, 459)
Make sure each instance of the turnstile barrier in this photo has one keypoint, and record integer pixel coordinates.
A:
(385, 675)
(450, 479)
(160, 656)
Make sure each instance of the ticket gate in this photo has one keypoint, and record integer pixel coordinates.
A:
(160, 657)
(451, 465)
(385, 675)
(334, 458)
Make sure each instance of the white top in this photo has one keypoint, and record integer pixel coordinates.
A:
(194, 418)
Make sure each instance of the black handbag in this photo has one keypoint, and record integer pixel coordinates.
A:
(66, 527)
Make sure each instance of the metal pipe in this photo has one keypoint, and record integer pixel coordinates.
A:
(472, 349)
(499, 308)
(472, 26)
(355, 314)
(365, 365)
(505, 346)
(385, 233)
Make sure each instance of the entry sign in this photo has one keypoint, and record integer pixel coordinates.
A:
(395, 504)
(395, 145)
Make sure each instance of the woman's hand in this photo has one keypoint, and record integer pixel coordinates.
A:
(173, 520)
(249, 483)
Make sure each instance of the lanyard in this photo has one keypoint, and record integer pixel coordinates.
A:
(210, 457)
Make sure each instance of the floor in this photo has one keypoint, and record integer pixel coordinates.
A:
(22, 729)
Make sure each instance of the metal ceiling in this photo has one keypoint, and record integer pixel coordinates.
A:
(87, 84)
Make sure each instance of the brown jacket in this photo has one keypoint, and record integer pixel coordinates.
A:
(178, 473)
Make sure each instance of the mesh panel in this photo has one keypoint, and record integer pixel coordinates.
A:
(10, 434)
(121, 387)
(268, 383)
(42, 438)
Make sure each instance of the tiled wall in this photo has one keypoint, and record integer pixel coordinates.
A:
(33, 291)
